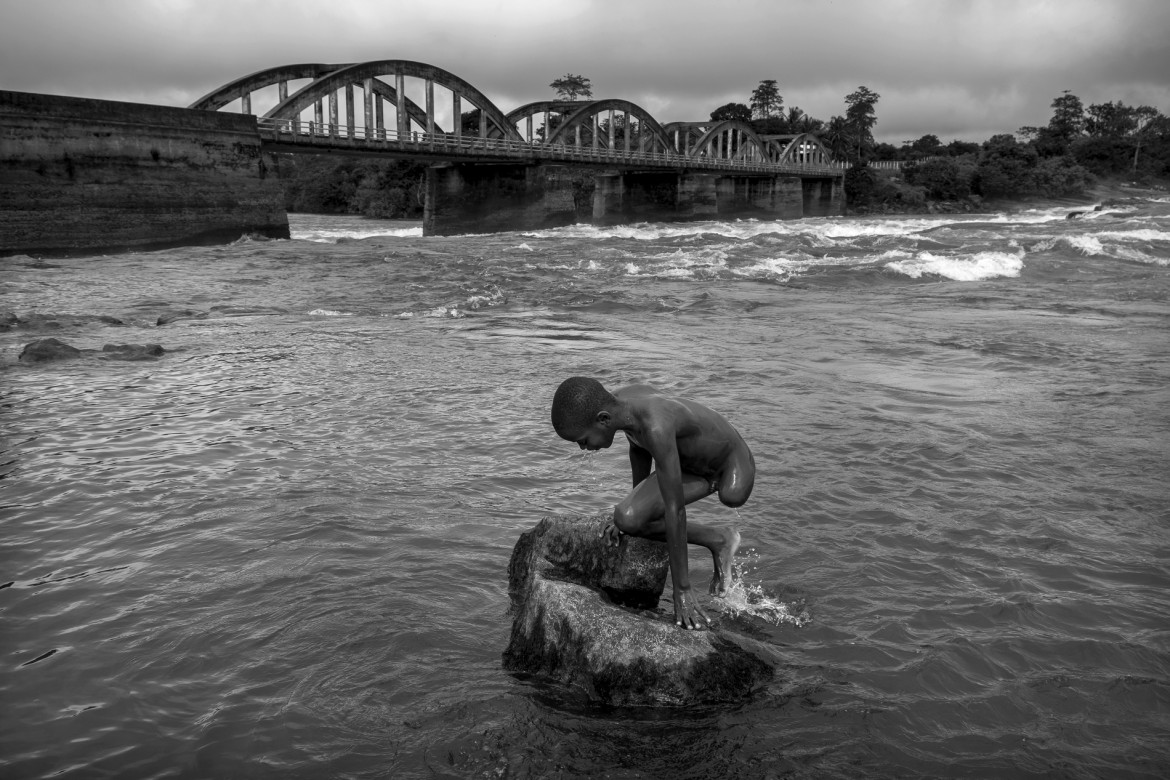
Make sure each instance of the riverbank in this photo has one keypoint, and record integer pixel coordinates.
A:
(1105, 192)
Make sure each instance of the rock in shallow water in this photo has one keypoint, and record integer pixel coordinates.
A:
(44, 350)
(133, 351)
(564, 582)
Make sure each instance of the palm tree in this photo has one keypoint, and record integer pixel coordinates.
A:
(838, 137)
(811, 125)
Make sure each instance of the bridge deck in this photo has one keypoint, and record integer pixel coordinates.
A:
(280, 135)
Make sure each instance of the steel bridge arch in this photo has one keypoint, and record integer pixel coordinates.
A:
(750, 147)
(684, 135)
(245, 85)
(805, 149)
(218, 98)
(291, 107)
(561, 108)
(659, 140)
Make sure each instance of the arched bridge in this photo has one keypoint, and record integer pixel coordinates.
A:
(408, 108)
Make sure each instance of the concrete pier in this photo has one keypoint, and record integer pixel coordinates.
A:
(494, 198)
(483, 198)
(80, 175)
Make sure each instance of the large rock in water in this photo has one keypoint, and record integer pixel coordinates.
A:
(576, 605)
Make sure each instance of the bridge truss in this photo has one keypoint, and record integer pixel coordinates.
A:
(414, 109)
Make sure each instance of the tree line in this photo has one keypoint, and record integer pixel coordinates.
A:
(1061, 158)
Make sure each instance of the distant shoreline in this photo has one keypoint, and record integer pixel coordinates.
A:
(1111, 191)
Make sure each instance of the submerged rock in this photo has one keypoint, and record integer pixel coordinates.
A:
(45, 350)
(172, 315)
(577, 620)
(133, 351)
(247, 311)
(39, 321)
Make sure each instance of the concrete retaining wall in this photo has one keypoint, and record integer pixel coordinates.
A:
(82, 175)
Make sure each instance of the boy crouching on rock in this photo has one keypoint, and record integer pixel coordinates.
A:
(695, 452)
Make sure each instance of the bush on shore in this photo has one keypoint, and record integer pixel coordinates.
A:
(325, 184)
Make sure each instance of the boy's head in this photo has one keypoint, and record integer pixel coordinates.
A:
(576, 410)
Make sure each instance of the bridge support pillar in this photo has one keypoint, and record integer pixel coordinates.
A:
(698, 196)
(487, 198)
(837, 198)
(491, 197)
(823, 197)
(777, 197)
(609, 193)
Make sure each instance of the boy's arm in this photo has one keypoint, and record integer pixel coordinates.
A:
(640, 461)
(664, 449)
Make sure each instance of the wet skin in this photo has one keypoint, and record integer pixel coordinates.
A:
(695, 452)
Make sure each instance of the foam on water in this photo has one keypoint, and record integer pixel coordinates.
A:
(329, 229)
(1086, 245)
(747, 598)
(1140, 234)
(680, 263)
(333, 236)
(1120, 244)
(781, 268)
(476, 299)
(962, 268)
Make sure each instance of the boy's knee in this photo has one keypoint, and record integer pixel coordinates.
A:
(625, 520)
(734, 498)
(736, 486)
(737, 493)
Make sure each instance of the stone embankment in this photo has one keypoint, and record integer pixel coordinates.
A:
(80, 175)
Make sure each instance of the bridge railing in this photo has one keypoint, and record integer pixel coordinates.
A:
(298, 132)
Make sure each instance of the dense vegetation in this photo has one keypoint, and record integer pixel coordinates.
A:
(328, 184)
(1062, 158)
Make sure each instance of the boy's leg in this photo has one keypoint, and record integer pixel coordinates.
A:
(641, 513)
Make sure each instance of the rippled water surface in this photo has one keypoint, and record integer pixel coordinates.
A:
(280, 550)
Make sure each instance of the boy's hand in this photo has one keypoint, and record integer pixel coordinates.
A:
(688, 613)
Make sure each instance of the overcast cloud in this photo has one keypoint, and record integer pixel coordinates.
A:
(956, 68)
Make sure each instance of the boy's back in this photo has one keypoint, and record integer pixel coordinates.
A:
(702, 436)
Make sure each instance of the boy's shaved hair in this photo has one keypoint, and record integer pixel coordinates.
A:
(576, 404)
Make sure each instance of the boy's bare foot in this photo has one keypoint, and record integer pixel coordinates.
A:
(611, 536)
(724, 561)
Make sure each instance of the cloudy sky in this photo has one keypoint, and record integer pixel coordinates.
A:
(956, 68)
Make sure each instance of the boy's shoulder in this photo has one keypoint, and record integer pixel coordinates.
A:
(645, 400)
(651, 408)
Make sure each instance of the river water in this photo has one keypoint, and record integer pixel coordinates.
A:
(280, 550)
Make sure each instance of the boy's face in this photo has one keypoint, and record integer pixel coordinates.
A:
(597, 435)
